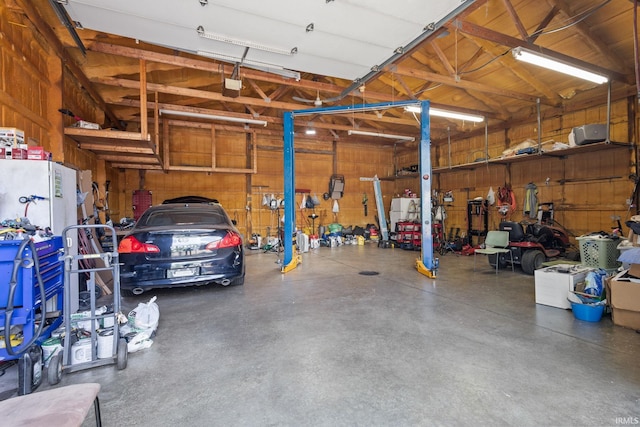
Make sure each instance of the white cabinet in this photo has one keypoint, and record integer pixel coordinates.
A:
(554, 283)
(403, 209)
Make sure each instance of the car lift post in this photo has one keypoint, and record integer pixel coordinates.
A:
(426, 265)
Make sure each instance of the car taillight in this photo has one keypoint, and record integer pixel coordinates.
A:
(131, 245)
(230, 240)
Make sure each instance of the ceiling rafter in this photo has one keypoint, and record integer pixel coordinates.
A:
(516, 19)
(585, 32)
(443, 58)
(464, 84)
(512, 42)
(515, 67)
(543, 24)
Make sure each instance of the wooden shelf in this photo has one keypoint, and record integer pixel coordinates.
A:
(403, 176)
(126, 149)
(579, 149)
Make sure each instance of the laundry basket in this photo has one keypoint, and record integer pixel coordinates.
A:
(600, 252)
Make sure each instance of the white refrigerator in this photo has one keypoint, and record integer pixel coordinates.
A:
(56, 184)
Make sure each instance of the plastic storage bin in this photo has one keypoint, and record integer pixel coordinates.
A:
(599, 252)
(587, 312)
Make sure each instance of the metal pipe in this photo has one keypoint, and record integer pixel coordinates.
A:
(540, 125)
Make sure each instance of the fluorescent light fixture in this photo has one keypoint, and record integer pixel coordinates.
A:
(437, 112)
(545, 61)
(213, 117)
(256, 65)
(382, 135)
(244, 43)
(310, 132)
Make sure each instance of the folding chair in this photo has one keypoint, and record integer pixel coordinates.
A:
(496, 243)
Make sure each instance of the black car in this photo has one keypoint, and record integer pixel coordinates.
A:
(181, 245)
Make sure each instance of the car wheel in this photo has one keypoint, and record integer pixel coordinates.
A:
(531, 261)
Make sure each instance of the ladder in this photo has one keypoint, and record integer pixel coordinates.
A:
(382, 219)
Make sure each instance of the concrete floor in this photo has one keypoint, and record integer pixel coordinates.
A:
(326, 346)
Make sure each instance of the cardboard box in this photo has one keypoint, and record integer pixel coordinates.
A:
(634, 270)
(38, 153)
(624, 299)
(11, 137)
(553, 284)
(18, 154)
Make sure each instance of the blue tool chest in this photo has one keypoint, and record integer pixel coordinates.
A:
(27, 301)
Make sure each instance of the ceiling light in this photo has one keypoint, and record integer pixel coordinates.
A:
(256, 65)
(310, 132)
(213, 117)
(545, 61)
(244, 43)
(382, 135)
(437, 112)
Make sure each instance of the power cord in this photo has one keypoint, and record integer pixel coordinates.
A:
(18, 261)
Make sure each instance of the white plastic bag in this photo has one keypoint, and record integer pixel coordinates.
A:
(146, 315)
(491, 197)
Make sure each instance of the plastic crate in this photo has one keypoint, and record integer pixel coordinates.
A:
(599, 252)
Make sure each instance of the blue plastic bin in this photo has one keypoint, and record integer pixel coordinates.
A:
(587, 312)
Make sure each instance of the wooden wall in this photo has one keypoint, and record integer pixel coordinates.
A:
(242, 194)
(588, 188)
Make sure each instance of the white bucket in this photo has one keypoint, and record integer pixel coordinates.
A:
(81, 352)
(109, 321)
(105, 344)
(50, 348)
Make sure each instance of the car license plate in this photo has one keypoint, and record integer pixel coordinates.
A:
(182, 272)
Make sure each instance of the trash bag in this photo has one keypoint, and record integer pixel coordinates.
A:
(146, 315)
(594, 282)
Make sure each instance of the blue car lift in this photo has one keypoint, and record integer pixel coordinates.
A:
(426, 264)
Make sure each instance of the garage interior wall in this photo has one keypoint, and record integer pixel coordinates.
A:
(587, 188)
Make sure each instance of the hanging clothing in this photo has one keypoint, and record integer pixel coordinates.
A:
(531, 200)
(507, 200)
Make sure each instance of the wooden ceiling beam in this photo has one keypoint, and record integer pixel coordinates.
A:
(512, 42)
(443, 58)
(516, 19)
(245, 101)
(464, 84)
(543, 24)
(204, 65)
(199, 64)
(585, 32)
(515, 67)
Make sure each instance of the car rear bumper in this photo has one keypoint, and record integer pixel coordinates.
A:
(143, 274)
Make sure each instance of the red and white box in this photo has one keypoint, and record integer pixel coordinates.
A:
(38, 153)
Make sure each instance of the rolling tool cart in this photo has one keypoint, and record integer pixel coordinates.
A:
(101, 344)
(31, 300)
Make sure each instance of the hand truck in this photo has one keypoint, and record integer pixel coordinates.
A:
(89, 264)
